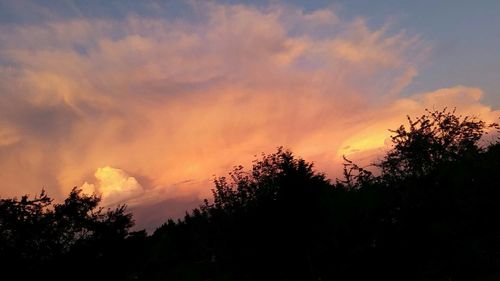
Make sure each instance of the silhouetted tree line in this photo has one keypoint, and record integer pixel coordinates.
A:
(429, 210)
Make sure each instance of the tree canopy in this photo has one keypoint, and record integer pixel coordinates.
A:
(437, 137)
(37, 235)
(431, 212)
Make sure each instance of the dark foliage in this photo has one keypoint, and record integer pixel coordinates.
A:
(58, 240)
(432, 212)
(432, 139)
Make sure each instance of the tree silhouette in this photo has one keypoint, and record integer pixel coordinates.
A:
(36, 235)
(431, 213)
(431, 139)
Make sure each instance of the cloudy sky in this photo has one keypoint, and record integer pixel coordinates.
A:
(145, 101)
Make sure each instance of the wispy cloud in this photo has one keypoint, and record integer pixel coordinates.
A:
(157, 102)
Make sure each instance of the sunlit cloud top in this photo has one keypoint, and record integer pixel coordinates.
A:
(143, 108)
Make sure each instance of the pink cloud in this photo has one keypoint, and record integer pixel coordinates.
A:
(174, 102)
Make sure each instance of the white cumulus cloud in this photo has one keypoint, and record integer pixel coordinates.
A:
(113, 185)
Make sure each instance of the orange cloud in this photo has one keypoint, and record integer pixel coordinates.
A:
(374, 138)
(164, 105)
(8, 135)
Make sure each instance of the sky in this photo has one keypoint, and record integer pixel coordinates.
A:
(144, 102)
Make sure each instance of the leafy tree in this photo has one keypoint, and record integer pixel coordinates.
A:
(431, 214)
(250, 228)
(24, 231)
(432, 139)
(35, 233)
(275, 175)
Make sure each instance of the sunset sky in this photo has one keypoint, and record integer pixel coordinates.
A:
(145, 101)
